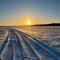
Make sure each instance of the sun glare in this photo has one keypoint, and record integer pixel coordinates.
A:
(28, 22)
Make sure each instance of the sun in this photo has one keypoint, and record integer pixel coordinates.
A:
(28, 22)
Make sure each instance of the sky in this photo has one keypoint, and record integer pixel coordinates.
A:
(17, 12)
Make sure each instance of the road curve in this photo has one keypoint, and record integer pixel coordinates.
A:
(21, 46)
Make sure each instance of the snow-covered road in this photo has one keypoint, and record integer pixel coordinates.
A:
(21, 46)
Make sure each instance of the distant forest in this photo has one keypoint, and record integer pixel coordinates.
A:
(52, 24)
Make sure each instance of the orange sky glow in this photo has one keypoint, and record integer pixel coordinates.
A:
(23, 21)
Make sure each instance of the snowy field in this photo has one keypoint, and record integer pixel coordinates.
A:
(50, 35)
(3, 35)
(30, 43)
